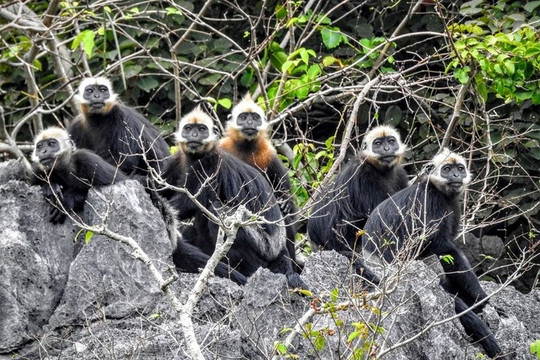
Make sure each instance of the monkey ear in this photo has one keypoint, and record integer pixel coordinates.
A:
(428, 168)
(216, 131)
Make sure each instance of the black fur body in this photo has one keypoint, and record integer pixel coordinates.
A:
(425, 221)
(120, 136)
(260, 154)
(343, 209)
(69, 181)
(230, 183)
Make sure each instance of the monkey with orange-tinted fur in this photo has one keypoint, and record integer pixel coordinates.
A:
(247, 138)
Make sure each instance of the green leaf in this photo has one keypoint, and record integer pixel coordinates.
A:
(323, 19)
(535, 348)
(147, 84)
(313, 71)
(87, 39)
(210, 80)
(277, 58)
(523, 95)
(334, 294)
(449, 259)
(509, 65)
(531, 6)
(37, 64)
(319, 342)
(304, 292)
(329, 143)
(287, 65)
(247, 77)
(88, 236)
(173, 11)
(225, 102)
(353, 336)
(328, 60)
(281, 348)
(297, 159)
(304, 55)
(536, 98)
(132, 71)
(331, 37)
(482, 89)
(462, 75)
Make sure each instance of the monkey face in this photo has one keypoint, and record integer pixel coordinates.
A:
(194, 136)
(454, 174)
(386, 148)
(96, 97)
(46, 151)
(249, 123)
(448, 172)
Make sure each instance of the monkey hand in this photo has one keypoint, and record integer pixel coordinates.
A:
(57, 215)
(52, 192)
(286, 206)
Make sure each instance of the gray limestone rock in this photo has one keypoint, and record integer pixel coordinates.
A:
(61, 298)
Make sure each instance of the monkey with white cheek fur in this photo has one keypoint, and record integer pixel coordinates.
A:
(66, 173)
(116, 132)
(341, 210)
(223, 182)
(424, 219)
(247, 139)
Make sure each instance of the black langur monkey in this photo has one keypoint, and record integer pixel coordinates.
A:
(66, 174)
(424, 220)
(114, 131)
(221, 181)
(341, 211)
(247, 139)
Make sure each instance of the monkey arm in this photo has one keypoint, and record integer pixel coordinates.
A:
(146, 137)
(184, 205)
(189, 258)
(279, 179)
(89, 169)
(461, 279)
(77, 133)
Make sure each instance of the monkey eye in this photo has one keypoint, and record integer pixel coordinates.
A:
(202, 128)
(103, 89)
(377, 142)
(187, 127)
(51, 143)
(38, 146)
(461, 168)
(256, 117)
(88, 90)
(391, 140)
(446, 168)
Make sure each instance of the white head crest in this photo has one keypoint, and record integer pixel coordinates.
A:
(196, 116)
(247, 105)
(378, 132)
(54, 132)
(445, 156)
(100, 80)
